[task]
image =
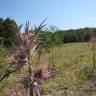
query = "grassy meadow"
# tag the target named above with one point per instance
(72, 60)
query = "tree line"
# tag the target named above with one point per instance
(76, 35)
(60, 37)
(9, 30)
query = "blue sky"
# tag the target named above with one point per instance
(65, 14)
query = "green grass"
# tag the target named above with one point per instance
(73, 60)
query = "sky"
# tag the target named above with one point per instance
(64, 14)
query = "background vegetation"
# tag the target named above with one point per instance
(73, 61)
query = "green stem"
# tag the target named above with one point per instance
(30, 89)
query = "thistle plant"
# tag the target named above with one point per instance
(93, 39)
(28, 42)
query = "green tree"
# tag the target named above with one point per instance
(1, 27)
(10, 31)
